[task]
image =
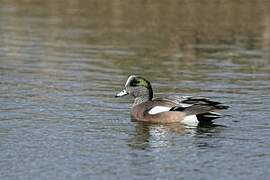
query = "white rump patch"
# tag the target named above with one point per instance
(191, 120)
(158, 109)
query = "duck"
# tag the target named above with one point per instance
(187, 110)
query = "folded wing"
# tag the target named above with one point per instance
(203, 108)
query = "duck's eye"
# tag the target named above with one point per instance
(134, 82)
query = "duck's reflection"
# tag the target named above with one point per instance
(149, 135)
(154, 136)
(153, 145)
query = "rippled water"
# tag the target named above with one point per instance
(62, 62)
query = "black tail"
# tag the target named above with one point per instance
(208, 117)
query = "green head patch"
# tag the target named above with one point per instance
(139, 81)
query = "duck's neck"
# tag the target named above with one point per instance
(144, 98)
(140, 100)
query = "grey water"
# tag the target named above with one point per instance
(61, 63)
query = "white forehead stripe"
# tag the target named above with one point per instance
(158, 109)
(128, 80)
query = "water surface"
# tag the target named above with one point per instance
(62, 62)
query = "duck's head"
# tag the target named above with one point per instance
(138, 87)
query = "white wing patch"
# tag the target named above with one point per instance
(159, 109)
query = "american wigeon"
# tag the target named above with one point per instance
(183, 109)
